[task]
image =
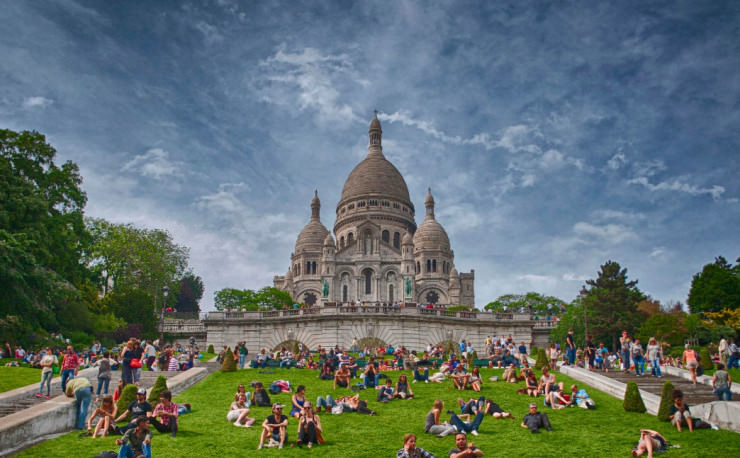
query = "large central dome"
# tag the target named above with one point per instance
(375, 176)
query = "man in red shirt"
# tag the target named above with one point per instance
(70, 366)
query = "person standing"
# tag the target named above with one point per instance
(104, 373)
(721, 383)
(690, 361)
(638, 358)
(723, 350)
(47, 373)
(624, 345)
(243, 352)
(654, 354)
(70, 366)
(150, 353)
(81, 390)
(570, 344)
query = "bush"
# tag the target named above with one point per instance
(541, 359)
(706, 359)
(159, 386)
(210, 349)
(632, 399)
(127, 397)
(229, 364)
(666, 401)
(474, 355)
(533, 351)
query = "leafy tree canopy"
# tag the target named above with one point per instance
(537, 302)
(267, 298)
(716, 287)
(191, 292)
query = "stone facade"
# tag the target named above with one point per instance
(377, 253)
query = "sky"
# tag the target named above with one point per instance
(555, 136)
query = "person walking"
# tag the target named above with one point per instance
(570, 347)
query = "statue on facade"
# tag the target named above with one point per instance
(325, 291)
(408, 286)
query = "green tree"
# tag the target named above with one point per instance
(665, 327)
(716, 287)
(613, 301)
(134, 306)
(232, 298)
(190, 294)
(530, 301)
(270, 297)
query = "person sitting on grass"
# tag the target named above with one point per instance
(403, 389)
(136, 409)
(460, 377)
(370, 375)
(239, 412)
(136, 442)
(650, 441)
(107, 413)
(535, 420)
(309, 427)
(418, 377)
(275, 428)
(166, 410)
(352, 367)
(475, 380)
(297, 401)
(556, 398)
(432, 424)
(410, 450)
(385, 393)
(242, 390)
(681, 415)
(464, 449)
(531, 383)
(510, 374)
(342, 376)
(547, 381)
(581, 398)
(261, 398)
(494, 410)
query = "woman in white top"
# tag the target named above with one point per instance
(47, 373)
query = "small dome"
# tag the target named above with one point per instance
(289, 274)
(453, 272)
(431, 236)
(329, 241)
(408, 239)
(429, 200)
(311, 237)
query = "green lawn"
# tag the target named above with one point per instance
(606, 431)
(16, 377)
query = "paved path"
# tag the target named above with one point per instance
(693, 394)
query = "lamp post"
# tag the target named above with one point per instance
(165, 292)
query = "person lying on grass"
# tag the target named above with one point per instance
(136, 441)
(650, 441)
(107, 413)
(274, 428)
(466, 425)
(535, 420)
(410, 450)
(557, 398)
(166, 410)
(464, 449)
(494, 410)
(581, 398)
(470, 406)
(239, 412)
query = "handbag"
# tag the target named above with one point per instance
(135, 363)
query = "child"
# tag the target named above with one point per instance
(107, 412)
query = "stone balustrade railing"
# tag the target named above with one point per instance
(375, 310)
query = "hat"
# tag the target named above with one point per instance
(276, 405)
(141, 391)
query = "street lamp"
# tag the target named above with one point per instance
(165, 292)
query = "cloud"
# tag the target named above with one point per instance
(37, 102)
(616, 161)
(657, 251)
(312, 77)
(155, 163)
(569, 276)
(677, 185)
(606, 214)
(211, 33)
(223, 201)
(610, 233)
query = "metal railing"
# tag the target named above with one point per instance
(375, 310)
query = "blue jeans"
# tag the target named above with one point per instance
(103, 383)
(626, 360)
(571, 353)
(327, 402)
(639, 365)
(241, 360)
(83, 396)
(723, 393)
(370, 383)
(463, 427)
(655, 367)
(127, 452)
(732, 362)
(46, 378)
(284, 364)
(67, 374)
(419, 377)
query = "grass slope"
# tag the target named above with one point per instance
(606, 431)
(16, 377)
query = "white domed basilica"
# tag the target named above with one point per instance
(377, 254)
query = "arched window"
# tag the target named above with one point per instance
(407, 269)
(368, 281)
(396, 240)
(341, 242)
(308, 267)
(313, 267)
(344, 294)
(429, 265)
(350, 239)
(390, 293)
(434, 265)
(386, 236)
(418, 267)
